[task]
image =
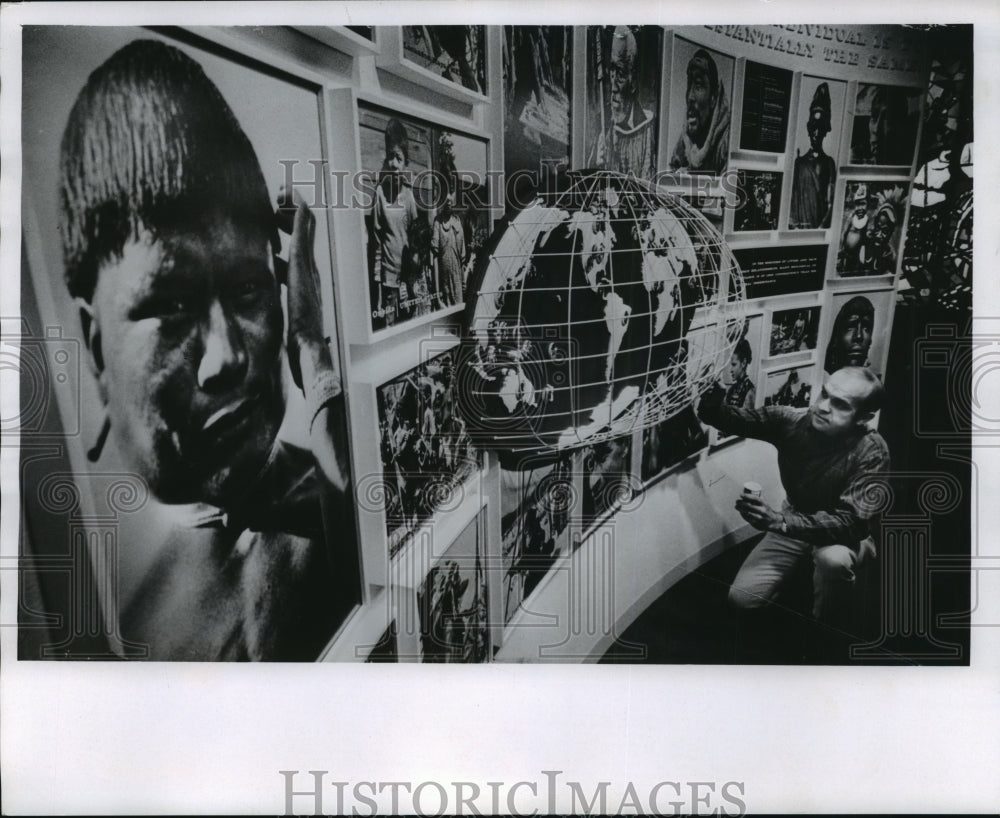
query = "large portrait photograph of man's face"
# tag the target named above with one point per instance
(624, 66)
(884, 130)
(203, 458)
(700, 113)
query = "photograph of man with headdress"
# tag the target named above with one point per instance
(873, 226)
(624, 65)
(699, 109)
(815, 171)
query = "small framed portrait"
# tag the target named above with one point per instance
(538, 93)
(767, 92)
(701, 91)
(790, 387)
(758, 200)
(624, 67)
(818, 129)
(871, 228)
(537, 502)
(859, 332)
(884, 129)
(450, 60)
(453, 601)
(740, 367)
(793, 330)
(426, 452)
(607, 477)
(428, 216)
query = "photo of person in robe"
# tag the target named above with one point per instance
(815, 172)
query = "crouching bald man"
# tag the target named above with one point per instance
(826, 457)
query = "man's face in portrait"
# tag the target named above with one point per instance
(737, 368)
(817, 131)
(700, 103)
(186, 337)
(623, 75)
(855, 337)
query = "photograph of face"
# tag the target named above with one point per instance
(793, 330)
(817, 142)
(700, 90)
(789, 387)
(860, 332)
(423, 228)
(607, 469)
(537, 77)
(623, 98)
(758, 200)
(426, 450)
(169, 276)
(535, 505)
(668, 443)
(452, 602)
(885, 125)
(741, 371)
(457, 53)
(873, 227)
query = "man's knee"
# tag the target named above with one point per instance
(742, 598)
(835, 562)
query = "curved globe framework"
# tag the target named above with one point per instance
(599, 310)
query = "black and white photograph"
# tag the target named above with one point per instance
(859, 335)
(205, 438)
(758, 200)
(452, 603)
(790, 387)
(793, 330)
(884, 130)
(767, 93)
(428, 215)
(624, 69)
(872, 226)
(671, 442)
(607, 477)
(456, 53)
(332, 335)
(536, 504)
(817, 148)
(425, 449)
(701, 91)
(537, 85)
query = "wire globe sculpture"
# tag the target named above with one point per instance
(601, 309)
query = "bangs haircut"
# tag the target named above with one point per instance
(151, 144)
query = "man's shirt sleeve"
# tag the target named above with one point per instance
(767, 423)
(849, 522)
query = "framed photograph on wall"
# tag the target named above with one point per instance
(758, 200)
(793, 330)
(234, 507)
(767, 92)
(538, 93)
(741, 373)
(790, 387)
(452, 601)
(607, 477)
(449, 60)
(701, 93)
(818, 128)
(428, 217)
(670, 442)
(858, 333)
(871, 227)
(885, 123)
(426, 452)
(624, 68)
(536, 504)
